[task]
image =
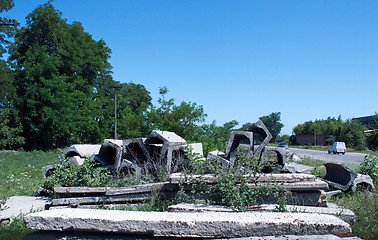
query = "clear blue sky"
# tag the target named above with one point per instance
(240, 59)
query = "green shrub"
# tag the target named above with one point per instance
(86, 175)
(364, 204)
(369, 166)
(235, 186)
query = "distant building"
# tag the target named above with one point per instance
(366, 121)
(310, 139)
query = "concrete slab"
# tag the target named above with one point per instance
(296, 237)
(344, 214)
(17, 205)
(168, 224)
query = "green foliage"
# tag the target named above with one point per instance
(59, 72)
(133, 100)
(352, 134)
(14, 230)
(214, 137)
(10, 130)
(369, 166)
(86, 175)
(283, 138)
(364, 205)
(330, 127)
(181, 119)
(235, 186)
(273, 123)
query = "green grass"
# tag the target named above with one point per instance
(20, 172)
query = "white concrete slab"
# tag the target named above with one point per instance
(167, 224)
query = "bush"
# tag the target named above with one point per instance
(234, 185)
(369, 166)
(87, 175)
(364, 205)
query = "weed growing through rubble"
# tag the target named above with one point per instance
(235, 186)
(86, 175)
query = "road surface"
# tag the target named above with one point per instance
(324, 156)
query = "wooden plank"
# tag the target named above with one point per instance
(177, 178)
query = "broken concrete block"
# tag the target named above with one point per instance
(218, 156)
(158, 143)
(14, 206)
(296, 168)
(261, 129)
(237, 138)
(281, 154)
(110, 153)
(194, 224)
(339, 176)
(82, 150)
(365, 181)
(77, 160)
(48, 170)
(294, 157)
(196, 148)
(135, 155)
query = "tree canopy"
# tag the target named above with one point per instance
(57, 69)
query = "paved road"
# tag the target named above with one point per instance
(323, 155)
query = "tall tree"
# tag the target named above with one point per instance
(181, 119)
(273, 123)
(352, 134)
(133, 100)
(59, 73)
(10, 127)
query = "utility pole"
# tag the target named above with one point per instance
(314, 136)
(115, 110)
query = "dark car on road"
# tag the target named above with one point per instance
(283, 145)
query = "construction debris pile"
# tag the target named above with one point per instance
(168, 150)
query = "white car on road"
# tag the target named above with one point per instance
(337, 147)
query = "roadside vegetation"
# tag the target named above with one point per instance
(363, 203)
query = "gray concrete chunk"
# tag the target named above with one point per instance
(339, 176)
(297, 168)
(14, 206)
(205, 225)
(82, 150)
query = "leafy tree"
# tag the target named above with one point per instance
(214, 137)
(330, 128)
(133, 100)
(10, 128)
(59, 70)
(181, 119)
(352, 134)
(273, 123)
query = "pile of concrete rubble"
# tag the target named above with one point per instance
(167, 149)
